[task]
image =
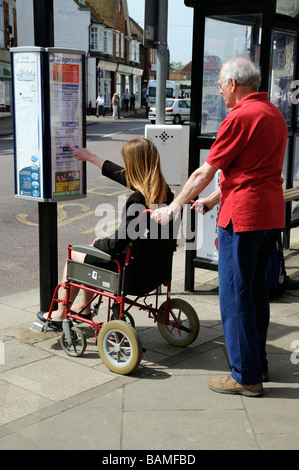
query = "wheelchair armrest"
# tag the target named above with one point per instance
(91, 250)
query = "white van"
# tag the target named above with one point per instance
(172, 91)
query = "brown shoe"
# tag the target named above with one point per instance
(266, 377)
(229, 385)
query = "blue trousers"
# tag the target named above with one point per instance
(244, 303)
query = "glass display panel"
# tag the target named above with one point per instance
(283, 73)
(288, 7)
(295, 204)
(285, 165)
(224, 39)
(296, 164)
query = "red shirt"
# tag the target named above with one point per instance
(249, 150)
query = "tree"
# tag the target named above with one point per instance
(175, 66)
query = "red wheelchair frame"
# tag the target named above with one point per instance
(118, 342)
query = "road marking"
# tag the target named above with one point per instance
(136, 128)
(63, 219)
(109, 135)
(112, 224)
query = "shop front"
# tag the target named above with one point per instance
(129, 78)
(106, 72)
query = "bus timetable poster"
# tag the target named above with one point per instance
(27, 113)
(66, 118)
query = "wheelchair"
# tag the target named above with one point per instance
(135, 283)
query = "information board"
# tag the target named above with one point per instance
(66, 119)
(48, 115)
(28, 123)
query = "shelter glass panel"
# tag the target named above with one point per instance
(296, 170)
(225, 38)
(283, 73)
(288, 7)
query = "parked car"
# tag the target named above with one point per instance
(176, 111)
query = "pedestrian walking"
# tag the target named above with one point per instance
(132, 102)
(115, 106)
(126, 98)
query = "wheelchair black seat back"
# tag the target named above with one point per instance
(147, 265)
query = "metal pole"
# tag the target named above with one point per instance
(47, 211)
(161, 61)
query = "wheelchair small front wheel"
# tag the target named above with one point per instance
(119, 347)
(78, 345)
(183, 326)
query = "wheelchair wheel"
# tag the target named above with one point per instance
(78, 345)
(186, 317)
(119, 347)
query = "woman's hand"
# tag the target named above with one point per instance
(86, 156)
(81, 153)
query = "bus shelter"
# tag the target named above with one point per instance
(267, 31)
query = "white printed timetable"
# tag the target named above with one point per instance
(48, 116)
(28, 124)
(66, 110)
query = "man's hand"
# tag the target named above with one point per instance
(201, 206)
(161, 216)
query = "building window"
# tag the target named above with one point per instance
(2, 38)
(107, 42)
(137, 52)
(117, 44)
(2, 94)
(134, 51)
(11, 22)
(122, 46)
(94, 38)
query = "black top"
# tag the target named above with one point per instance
(120, 239)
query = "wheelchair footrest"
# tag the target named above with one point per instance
(41, 327)
(37, 326)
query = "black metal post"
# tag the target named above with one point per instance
(47, 211)
(43, 23)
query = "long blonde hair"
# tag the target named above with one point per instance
(143, 170)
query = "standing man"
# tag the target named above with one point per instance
(100, 103)
(249, 149)
(126, 98)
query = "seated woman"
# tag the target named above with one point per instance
(143, 175)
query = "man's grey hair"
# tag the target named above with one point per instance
(243, 71)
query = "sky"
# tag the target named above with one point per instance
(180, 27)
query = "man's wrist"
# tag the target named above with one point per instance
(169, 212)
